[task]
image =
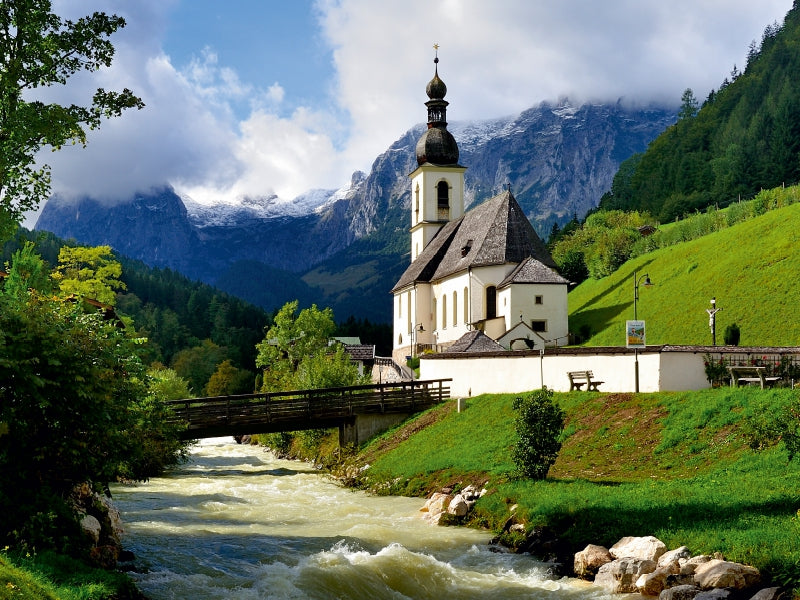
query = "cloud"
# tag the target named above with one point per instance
(218, 137)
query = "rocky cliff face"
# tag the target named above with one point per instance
(558, 159)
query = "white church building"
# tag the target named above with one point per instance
(483, 270)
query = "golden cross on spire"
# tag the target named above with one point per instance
(436, 47)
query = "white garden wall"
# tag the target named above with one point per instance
(661, 368)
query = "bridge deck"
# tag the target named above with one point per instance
(302, 409)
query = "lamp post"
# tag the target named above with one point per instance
(647, 283)
(712, 320)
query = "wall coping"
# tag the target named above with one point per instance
(615, 350)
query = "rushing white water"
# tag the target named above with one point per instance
(236, 523)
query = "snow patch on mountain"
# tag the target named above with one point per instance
(241, 210)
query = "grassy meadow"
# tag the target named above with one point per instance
(751, 269)
(675, 465)
(49, 576)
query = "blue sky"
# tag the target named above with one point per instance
(267, 42)
(261, 97)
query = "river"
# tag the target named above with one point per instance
(236, 523)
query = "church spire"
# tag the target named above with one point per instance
(437, 145)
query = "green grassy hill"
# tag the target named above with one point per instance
(675, 465)
(752, 269)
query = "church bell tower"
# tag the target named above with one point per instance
(437, 184)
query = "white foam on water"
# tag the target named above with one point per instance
(237, 523)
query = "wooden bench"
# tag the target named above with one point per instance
(580, 378)
(751, 374)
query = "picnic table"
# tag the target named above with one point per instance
(750, 374)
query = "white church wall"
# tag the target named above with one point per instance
(452, 325)
(552, 310)
(482, 278)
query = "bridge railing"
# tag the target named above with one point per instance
(303, 407)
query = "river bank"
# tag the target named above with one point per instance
(678, 466)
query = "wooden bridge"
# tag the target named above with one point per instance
(358, 411)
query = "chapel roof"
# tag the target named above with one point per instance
(496, 232)
(475, 341)
(531, 270)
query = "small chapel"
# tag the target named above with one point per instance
(481, 273)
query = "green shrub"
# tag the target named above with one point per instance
(539, 423)
(732, 335)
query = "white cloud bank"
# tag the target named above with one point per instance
(497, 58)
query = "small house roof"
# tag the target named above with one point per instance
(531, 270)
(474, 341)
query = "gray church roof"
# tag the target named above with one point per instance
(531, 270)
(496, 232)
(475, 341)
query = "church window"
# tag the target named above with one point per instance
(443, 200)
(455, 309)
(466, 308)
(435, 319)
(539, 300)
(491, 302)
(539, 326)
(444, 312)
(416, 201)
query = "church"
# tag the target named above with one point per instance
(485, 270)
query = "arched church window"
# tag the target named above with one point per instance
(491, 302)
(443, 200)
(444, 312)
(435, 319)
(466, 308)
(455, 309)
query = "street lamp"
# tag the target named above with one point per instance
(647, 283)
(421, 329)
(712, 320)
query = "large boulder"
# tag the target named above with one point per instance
(770, 593)
(651, 584)
(92, 528)
(718, 573)
(680, 592)
(458, 506)
(436, 507)
(678, 554)
(589, 560)
(620, 575)
(645, 548)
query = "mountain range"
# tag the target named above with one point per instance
(346, 248)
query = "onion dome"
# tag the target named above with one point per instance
(436, 89)
(437, 145)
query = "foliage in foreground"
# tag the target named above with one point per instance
(75, 408)
(41, 49)
(49, 576)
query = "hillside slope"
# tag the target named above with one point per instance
(751, 269)
(674, 465)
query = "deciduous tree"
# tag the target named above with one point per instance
(39, 49)
(89, 273)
